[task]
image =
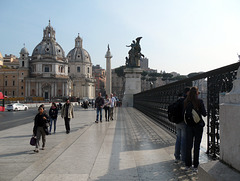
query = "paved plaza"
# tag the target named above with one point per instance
(132, 147)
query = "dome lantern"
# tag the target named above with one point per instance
(78, 42)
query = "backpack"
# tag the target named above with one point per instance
(191, 117)
(175, 111)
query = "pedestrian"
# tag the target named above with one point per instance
(180, 145)
(67, 114)
(112, 105)
(194, 132)
(106, 107)
(53, 114)
(99, 103)
(39, 129)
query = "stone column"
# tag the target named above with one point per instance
(132, 85)
(63, 89)
(108, 57)
(40, 89)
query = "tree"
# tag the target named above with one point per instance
(192, 74)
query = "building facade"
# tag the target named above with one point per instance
(48, 73)
(80, 71)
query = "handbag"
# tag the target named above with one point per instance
(33, 141)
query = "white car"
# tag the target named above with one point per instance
(16, 107)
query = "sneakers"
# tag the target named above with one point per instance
(43, 148)
(195, 169)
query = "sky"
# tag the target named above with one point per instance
(181, 36)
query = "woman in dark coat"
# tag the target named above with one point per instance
(53, 114)
(40, 128)
(194, 132)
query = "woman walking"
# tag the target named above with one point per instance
(39, 128)
(194, 132)
(53, 113)
(106, 107)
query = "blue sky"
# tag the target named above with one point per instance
(182, 36)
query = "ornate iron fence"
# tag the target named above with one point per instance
(154, 102)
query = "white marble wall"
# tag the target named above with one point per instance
(230, 125)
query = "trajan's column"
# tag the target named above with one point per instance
(108, 57)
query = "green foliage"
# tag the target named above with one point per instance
(144, 73)
(180, 77)
(192, 74)
(155, 74)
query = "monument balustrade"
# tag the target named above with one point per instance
(154, 102)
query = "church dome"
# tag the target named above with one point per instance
(24, 51)
(78, 54)
(48, 47)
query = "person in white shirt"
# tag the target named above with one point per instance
(112, 105)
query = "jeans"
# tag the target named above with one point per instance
(194, 134)
(99, 110)
(107, 109)
(180, 146)
(52, 121)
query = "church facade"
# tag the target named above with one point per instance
(51, 75)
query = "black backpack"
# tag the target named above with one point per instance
(191, 117)
(175, 111)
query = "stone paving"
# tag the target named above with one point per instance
(132, 147)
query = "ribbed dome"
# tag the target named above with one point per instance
(78, 54)
(48, 47)
(24, 51)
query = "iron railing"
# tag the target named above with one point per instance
(154, 102)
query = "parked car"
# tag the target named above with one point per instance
(17, 107)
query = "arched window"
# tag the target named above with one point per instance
(78, 69)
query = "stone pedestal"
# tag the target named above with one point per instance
(230, 125)
(132, 85)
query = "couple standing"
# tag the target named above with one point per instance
(109, 105)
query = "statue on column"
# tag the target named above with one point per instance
(134, 54)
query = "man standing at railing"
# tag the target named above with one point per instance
(180, 146)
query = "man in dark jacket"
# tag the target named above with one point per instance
(99, 102)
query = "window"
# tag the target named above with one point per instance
(88, 70)
(68, 69)
(5, 83)
(22, 63)
(46, 69)
(5, 93)
(21, 80)
(13, 83)
(22, 93)
(22, 73)
(78, 69)
(21, 87)
(13, 93)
